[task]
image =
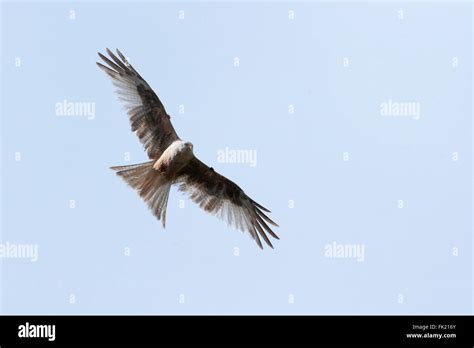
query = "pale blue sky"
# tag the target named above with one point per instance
(400, 195)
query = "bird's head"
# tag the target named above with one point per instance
(189, 145)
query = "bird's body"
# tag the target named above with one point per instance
(172, 161)
(174, 158)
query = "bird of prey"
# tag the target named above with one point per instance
(172, 161)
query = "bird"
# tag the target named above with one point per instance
(172, 160)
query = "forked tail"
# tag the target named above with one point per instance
(150, 185)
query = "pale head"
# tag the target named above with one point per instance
(189, 145)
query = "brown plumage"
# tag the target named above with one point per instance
(172, 160)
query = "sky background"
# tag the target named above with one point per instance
(298, 84)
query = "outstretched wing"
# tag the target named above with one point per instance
(147, 114)
(219, 196)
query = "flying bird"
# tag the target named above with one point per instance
(172, 161)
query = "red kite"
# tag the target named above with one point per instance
(172, 161)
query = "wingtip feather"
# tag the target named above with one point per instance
(261, 206)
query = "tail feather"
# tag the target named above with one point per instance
(150, 185)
